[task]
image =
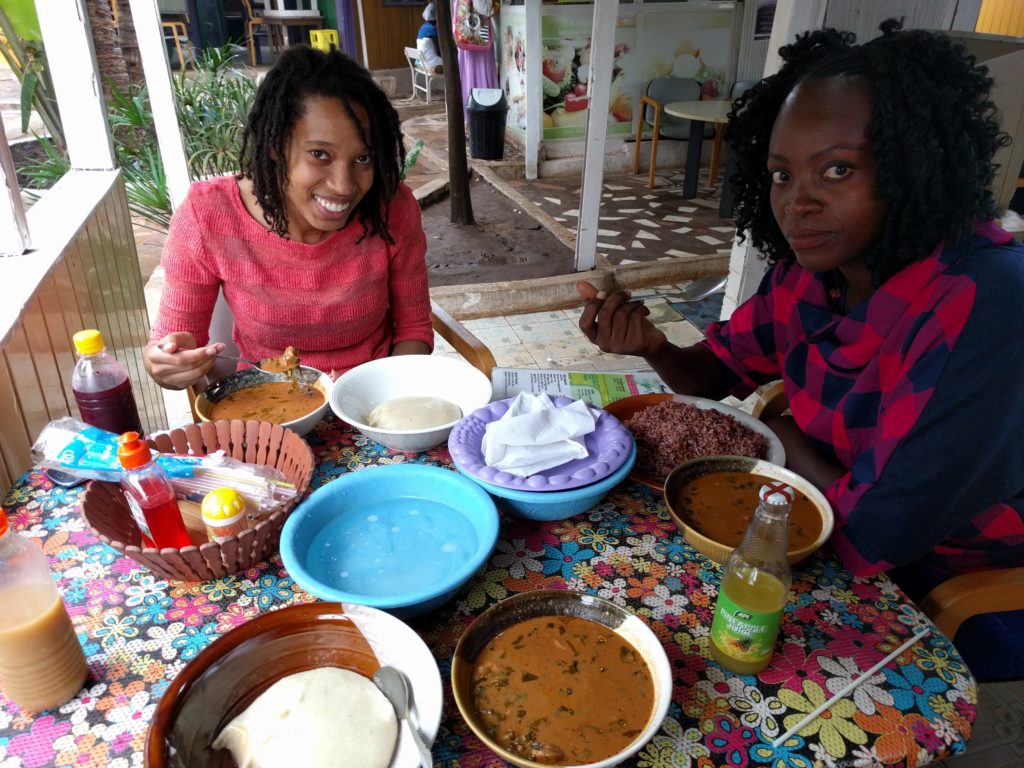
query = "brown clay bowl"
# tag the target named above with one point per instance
(235, 669)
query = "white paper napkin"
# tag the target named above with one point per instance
(535, 434)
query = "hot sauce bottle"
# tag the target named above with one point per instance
(150, 495)
(755, 587)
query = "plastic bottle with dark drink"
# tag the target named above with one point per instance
(102, 388)
(150, 495)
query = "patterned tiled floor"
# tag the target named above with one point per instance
(637, 223)
(553, 339)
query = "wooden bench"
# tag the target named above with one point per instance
(417, 72)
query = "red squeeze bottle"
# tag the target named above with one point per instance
(102, 388)
(150, 495)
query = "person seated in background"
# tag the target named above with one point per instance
(426, 42)
(316, 244)
(864, 176)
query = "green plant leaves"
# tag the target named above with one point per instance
(22, 14)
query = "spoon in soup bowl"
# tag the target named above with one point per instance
(287, 362)
(395, 687)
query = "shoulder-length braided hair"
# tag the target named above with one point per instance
(280, 100)
(933, 132)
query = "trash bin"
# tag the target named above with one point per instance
(486, 110)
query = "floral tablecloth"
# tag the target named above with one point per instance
(139, 631)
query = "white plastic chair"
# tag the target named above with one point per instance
(417, 72)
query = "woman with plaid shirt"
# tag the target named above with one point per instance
(864, 175)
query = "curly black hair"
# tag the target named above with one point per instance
(933, 133)
(302, 72)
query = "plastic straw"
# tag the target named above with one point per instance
(850, 686)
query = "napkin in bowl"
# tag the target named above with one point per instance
(535, 434)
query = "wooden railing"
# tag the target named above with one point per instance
(83, 272)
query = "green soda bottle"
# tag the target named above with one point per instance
(755, 587)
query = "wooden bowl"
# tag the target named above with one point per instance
(231, 672)
(105, 508)
(720, 551)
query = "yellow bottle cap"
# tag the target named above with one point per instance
(88, 342)
(222, 506)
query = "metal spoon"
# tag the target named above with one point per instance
(279, 364)
(393, 684)
(702, 288)
(253, 363)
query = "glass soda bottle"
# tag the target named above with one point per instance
(42, 664)
(755, 587)
(150, 495)
(102, 388)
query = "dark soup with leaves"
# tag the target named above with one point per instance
(719, 505)
(562, 690)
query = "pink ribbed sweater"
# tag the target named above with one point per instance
(341, 302)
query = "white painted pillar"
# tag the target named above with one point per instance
(72, 61)
(746, 267)
(599, 87)
(534, 94)
(362, 35)
(161, 97)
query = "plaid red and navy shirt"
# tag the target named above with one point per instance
(918, 392)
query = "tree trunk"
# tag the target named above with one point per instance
(109, 60)
(458, 168)
(128, 42)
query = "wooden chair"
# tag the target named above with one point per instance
(954, 601)
(660, 91)
(417, 71)
(253, 23)
(174, 20)
(175, 30)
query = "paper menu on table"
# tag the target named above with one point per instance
(597, 388)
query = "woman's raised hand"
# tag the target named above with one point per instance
(174, 362)
(617, 325)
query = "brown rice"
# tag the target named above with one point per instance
(669, 433)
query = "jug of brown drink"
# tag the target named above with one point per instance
(42, 664)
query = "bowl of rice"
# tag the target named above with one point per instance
(672, 429)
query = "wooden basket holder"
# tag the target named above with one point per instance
(106, 511)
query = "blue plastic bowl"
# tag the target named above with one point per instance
(400, 537)
(554, 505)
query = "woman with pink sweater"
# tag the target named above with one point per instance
(316, 244)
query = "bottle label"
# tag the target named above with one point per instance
(91, 448)
(140, 519)
(741, 634)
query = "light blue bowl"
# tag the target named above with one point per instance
(555, 505)
(399, 537)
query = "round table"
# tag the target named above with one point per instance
(139, 631)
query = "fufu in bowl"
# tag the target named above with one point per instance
(409, 402)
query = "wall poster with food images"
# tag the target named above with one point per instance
(565, 72)
(697, 44)
(513, 65)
